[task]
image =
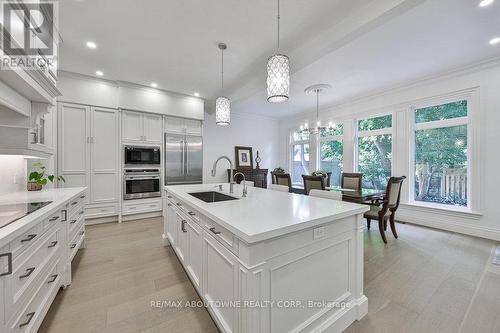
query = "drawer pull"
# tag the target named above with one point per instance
(72, 246)
(82, 197)
(183, 226)
(9, 263)
(81, 213)
(55, 218)
(81, 232)
(65, 215)
(29, 238)
(74, 203)
(169, 205)
(191, 213)
(28, 321)
(28, 273)
(169, 196)
(72, 222)
(214, 231)
(53, 278)
(54, 243)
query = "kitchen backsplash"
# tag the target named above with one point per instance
(12, 174)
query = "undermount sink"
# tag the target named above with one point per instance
(212, 196)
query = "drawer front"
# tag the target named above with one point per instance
(52, 220)
(101, 211)
(28, 238)
(76, 204)
(74, 225)
(76, 242)
(225, 237)
(145, 207)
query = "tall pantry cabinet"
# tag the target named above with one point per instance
(89, 155)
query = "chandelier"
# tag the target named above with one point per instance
(305, 129)
(278, 73)
(222, 103)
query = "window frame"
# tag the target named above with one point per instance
(290, 151)
(337, 137)
(471, 143)
(384, 131)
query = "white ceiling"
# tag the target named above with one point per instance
(357, 46)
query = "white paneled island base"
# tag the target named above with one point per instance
(272, 261)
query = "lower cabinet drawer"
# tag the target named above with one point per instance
(28, 238)
(141, 207)
(76, 242)
(101, 210)
(74, 225)
(225, 237)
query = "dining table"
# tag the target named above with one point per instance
(348, 194)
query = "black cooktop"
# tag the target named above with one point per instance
(13, 212)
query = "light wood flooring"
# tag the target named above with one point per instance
(426, 281)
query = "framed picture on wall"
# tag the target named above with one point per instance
(243, 157)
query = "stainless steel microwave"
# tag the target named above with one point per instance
(135, 155)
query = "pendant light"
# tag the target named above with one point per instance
(305, 129)
(222, 104)
(278, 73)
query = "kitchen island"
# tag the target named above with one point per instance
(270, 261)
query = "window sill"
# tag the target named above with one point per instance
(443, 210)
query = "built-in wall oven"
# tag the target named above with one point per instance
(135, 155)
(141, 183)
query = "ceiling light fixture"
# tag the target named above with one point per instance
(485, 3)
(495, 41)
(154, 85)
(222, 104)
(99, 73)
(278, 73)
(91, 45)
(304, 129)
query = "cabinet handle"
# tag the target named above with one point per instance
(9, 263)
(29, 238)
(28, 273)
(82, 197)
(214, 231)
(81, 213)
(54, 277)
(179, 204)
(72, 222)
(54, 243)
(191, 213)
(81, 232)
(74, 203)
(27, 322)
(169, 205)
(183, 226)
(55, 218)
(169, 196)
(72, 246)
(65, 212)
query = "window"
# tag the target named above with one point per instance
(300, 157)
(441, 154)
(331, 150)
(375, 151)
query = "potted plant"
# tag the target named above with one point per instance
(39, 178)
(278, 170)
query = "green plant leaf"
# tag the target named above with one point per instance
(42, 182)
(51, 178)
(34, 176)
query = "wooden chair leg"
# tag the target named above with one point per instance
(381, 228)
(368, 223)
(385, 225)
(393, 226)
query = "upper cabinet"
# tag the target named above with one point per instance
(140, 127)
(183, 126)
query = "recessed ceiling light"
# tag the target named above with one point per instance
(495, 41)
(91, 45)
(99, 73)
(197, 94)
(154, 85)
(485, 3)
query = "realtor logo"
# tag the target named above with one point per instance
(28, 28)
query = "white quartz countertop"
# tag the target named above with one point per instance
(266, 214)
(57, 195)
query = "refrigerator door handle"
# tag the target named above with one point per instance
(187, 157)
(183, 158)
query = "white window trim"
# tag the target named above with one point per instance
(473, 180)
(338, 137)
(290, 150)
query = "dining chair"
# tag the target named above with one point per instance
(313, 183)
(384, 209)
(276, 187)
(352, 181)
(284, 179)
(334, 195)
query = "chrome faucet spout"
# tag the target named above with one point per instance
(245, 190)
(214, 172)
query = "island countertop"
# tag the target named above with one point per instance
(57, 195)
(265, 214)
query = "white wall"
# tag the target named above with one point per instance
(484, 221)
(12, 173)
(260, 133)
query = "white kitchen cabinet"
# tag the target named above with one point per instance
(177, 125)
(194, 252)
(181, 241)
(170, 226)
(141, 127)
(89, 154)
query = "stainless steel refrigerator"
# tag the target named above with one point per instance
(183, 159)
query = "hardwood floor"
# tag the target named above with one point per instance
(426, 281)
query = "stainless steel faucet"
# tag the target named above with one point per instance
(245, 190)
(231, 181)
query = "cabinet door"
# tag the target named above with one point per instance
(105, 156)
(74, 144)
(220, 281)
(193, 127)
(153, 131)
(174, 125)
(170, 224)
(181, 241)
(194, 252)
(132, 126)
